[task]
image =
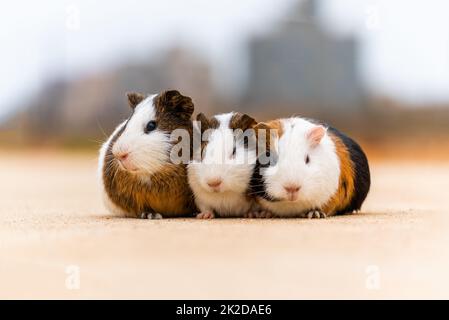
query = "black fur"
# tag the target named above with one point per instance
(257, 183)
(362, 179)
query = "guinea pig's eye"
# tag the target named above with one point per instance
(150, 126)
(307, 160)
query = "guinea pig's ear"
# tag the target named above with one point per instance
(263, 131)
(204, 121)
(242, 121)
(173, 101)
(134, 98)
(259, 127)
(315, 135)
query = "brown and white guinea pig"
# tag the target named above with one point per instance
(316, 171)
(220, 179)
(137, 176)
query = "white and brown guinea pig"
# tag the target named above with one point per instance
(317, 171)
(220, 180)
(137, 176)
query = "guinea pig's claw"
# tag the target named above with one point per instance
(248, 215)
(265, 214)
(156, 216)
(259, 214)
(316, 214)
(151, 216)
(205, 215)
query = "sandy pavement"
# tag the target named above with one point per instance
(57, 241)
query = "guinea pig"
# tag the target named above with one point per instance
(137, 175)
(220, 179)
(315, 171)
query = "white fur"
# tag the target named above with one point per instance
(147, 152)
(318, 180)
(219, 163)
(103, 150)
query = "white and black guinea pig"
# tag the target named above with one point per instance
(137, 176)
(316, 171)
(220, 179)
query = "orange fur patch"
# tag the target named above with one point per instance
(276, 125)
(342, 198)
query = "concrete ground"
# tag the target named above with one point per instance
(57, 241)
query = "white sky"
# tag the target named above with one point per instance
(405, 44)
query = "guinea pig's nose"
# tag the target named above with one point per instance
(292, 188)
(214, 183)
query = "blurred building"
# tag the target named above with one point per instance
(84, 107)
(300, 64)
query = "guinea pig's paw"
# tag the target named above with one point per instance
(316, 214)
(249, 214)
(264, 214)
(259, 214)
(205, 215)
(252, 214)
(151, 216)
(143, 215)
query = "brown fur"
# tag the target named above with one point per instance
(167, 191)
(345, 191)
(276, 125)
(346, 188)
(173, 110)
(206, 124)
(134, 99)
(238, 121)
(273, 130)
(242, 121)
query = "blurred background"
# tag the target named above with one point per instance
(378, 70)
